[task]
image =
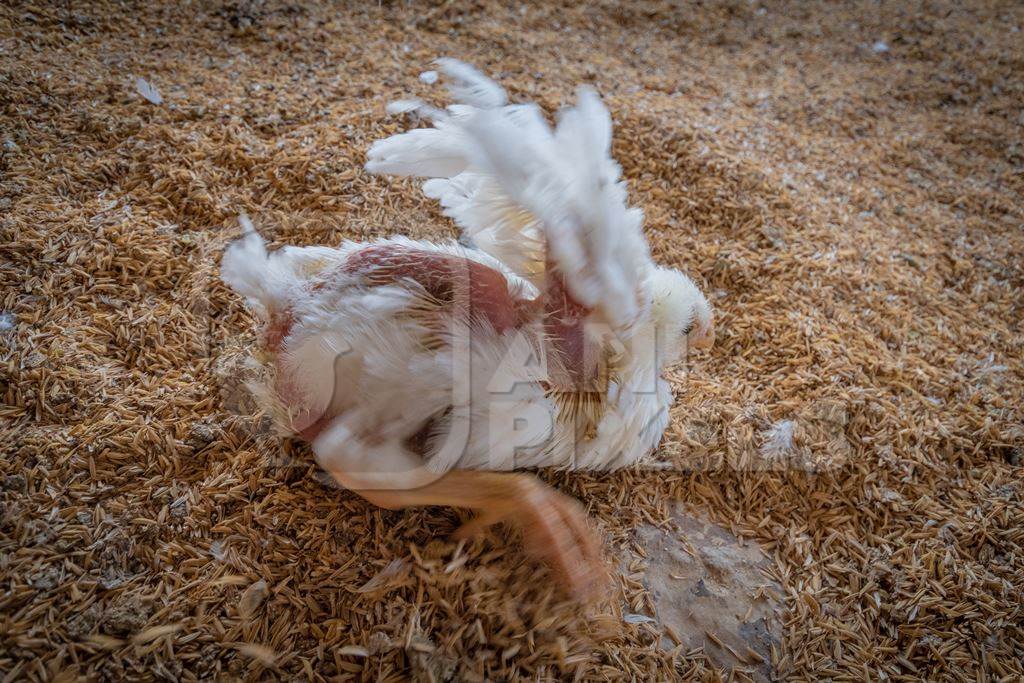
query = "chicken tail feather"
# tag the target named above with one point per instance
(248, 269)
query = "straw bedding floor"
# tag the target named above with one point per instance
(845, 180)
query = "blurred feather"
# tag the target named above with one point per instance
(523, 192)
(148, 91)
(469, 86)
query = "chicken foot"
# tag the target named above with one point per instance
(554, 527)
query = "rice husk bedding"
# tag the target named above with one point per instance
(845, 181)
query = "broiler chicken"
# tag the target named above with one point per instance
(424, 373)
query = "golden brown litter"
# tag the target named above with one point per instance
(845, 180)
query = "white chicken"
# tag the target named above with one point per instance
(423, 373)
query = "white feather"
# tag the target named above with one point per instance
(469, 86)
(425, 152)
(247, 269)
(778, 441)
(268, 280)
(402, 107)
(570, 185)
(516, 188)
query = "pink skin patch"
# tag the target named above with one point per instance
(563, 327)
(277, 329)
(446, 277)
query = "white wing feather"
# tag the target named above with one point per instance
(469, 86)
(425, 152)
(514, 186)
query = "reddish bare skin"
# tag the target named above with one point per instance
(450, 279)
(564, 319)
(554, 527)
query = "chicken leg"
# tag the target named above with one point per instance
(554, 526)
